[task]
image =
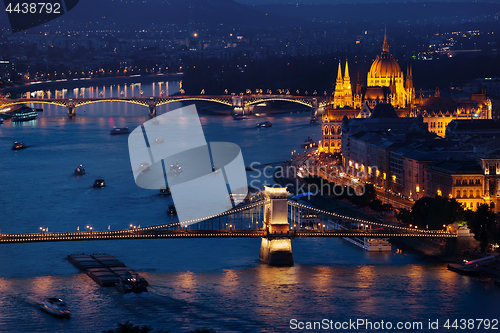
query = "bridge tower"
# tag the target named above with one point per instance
(238, 105)
(314, 108)
(71, 108)
(276, 246)
(152, 107)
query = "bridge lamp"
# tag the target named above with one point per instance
(131, 226)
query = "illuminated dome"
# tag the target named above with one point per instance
(385, 66)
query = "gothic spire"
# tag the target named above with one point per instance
(385, 47)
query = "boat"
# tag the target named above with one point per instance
(472, 267)
(172, 210)
(215, 168)
(309, 143)
(1, 121)
(314, 121)
(239, 117)
(264, 124)
(119, 130)
(165, 191)
(18, 146)
(144, 167)
(24, 115)
(132, 282)
(56, 307)
(176, 168)
(99, 183)
(371, 244)
(39, 110)
(159, 140)
(80, 170)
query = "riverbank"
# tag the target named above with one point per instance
(88, 82)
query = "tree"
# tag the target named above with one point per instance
(368, 196)
(405, 216)
(432, 213)
(484, 226)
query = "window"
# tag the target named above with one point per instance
(458, 194)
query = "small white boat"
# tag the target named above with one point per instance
(56, 307)
(80, 170)
(265, 124)
(118, 131)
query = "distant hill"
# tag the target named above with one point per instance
(135, 14)
(142, 14)
(389, 12)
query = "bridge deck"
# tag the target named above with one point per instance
(130, 234)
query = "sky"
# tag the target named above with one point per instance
(315, 2)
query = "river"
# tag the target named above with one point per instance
(214, 283)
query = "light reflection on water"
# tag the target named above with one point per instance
(194, 283)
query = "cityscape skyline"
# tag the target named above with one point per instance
(260, 166)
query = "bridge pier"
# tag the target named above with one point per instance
(152, 111)
(238, 105)
(314, 108)
(152, 107)
(276, 246)
(71, 108)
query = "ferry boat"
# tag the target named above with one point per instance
(98, 183)
(24, 115)
(264, 124)
(117, 130)
(80, 170)
(239, 117)
(56, 307)
(132, 282)
(371, 244)
(314, 121)
(18, 146)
